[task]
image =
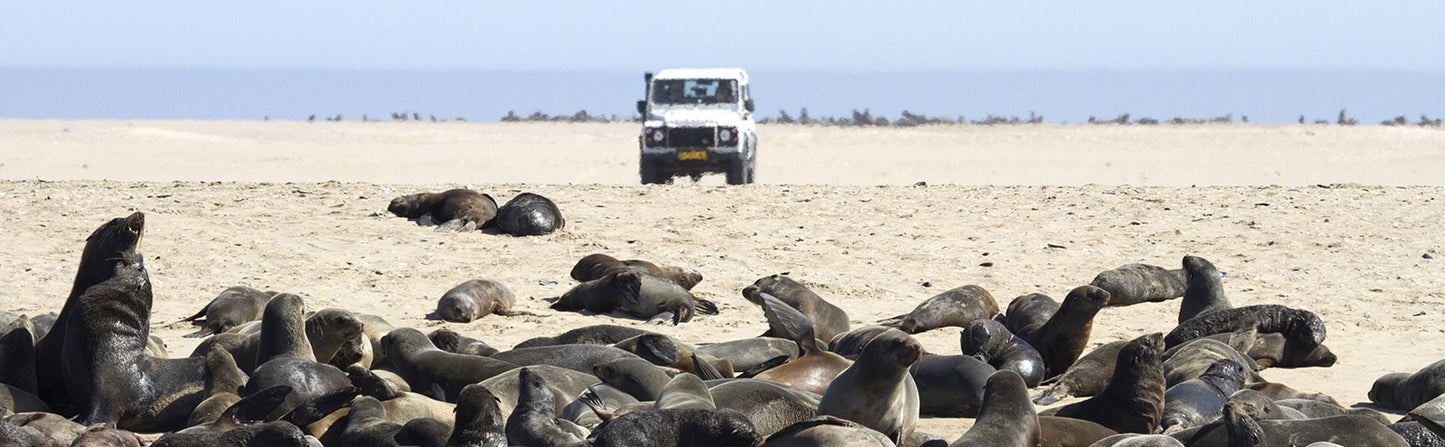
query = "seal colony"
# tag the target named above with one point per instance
(421, 368)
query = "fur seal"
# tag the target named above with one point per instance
(223, 388)
(530, 214)
(1086, 377)
(1136, 440)
(1006, 418)
(829, 431)
(1200, 400)
(450, 341)
(401, 406)
(955, 307)
(597, 334)
(1300, 326)
(241, 425)
(746, 353)
(17, 361)
(991, 341)
(877, 391)
(283, 331)
(850, 344)
(1203, 290)
(234, 306)
(1311, 408)
(814, 369)
(475, 299)
(43, 429)
(828, 320)
(368, 425)
(1070, 432)
(323, 334)
(101, 435)
(684, 391)
(666, 351)
(771, 406)
(1133, 402)
(952, 385)
(534, 421)
(1238, 429)
(1062, 338)
(1195, 358)
(479, 420)
(306, 378)
(638, 294)
(574, 357)
(423, 365)
(1137, 283)
(637, 377)
(1405, 391)
(423, 432)
(1274, 350)
(1415, 434)
(677, 428)
(470, 208)
(565, 384)
(597, 265)
(1261, 407)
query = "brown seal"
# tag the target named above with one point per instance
(638, 294)
(1137, 283)
(1007, 417)
(1070, 432)
(234, 306)
(1134, 400)
(828, 320)
(814, 369)
(1300, 326)
(1405, 391)
(17, 361)
(877, 391)
(597, 334)
(1198, 401)
(1239, 429)
(770, 405)
(474, 299)
(597, 265)
(1086, 377)
(677, 428)
(424, 366)
(468, 207)
(534, 421)
(1203, 290)
(529, 214)
(450, 341)
(1193, 359)
(479, 419)
(1062, 338)
(991, 341)
(827, 431)
(955, 308)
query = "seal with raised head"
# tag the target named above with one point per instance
(597, 265)
(469, 207)
(479, 420)
(828, 320)
(1137, 283)
(529, 214)
(233, 307)
(1061, 339)
(677, 428)
(1300, 326)
(1134, 400)
(877, 391)
(1200, 400)
(814, 369)
(1007, 417)
(850, 344)
(534, 421)
(476, 298)
(991, 341)
(1405, 391)
(1203, 290)
(423, 366)
(956, 307)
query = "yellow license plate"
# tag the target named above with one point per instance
(692, 155)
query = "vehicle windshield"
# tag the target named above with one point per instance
(695, 91)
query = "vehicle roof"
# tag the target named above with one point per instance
(703, 73)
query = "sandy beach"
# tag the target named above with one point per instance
(1342, 221)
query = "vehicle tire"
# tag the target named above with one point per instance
(738, 172)
(652, 173)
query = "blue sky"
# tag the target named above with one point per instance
(760, 35)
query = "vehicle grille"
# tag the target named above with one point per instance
(691, 136)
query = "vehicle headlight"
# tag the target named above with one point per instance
(725, 135)
(657, 135)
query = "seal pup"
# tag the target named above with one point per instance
(1201, 400)
(598, 265)
(1274, 350)
(422, 365)
(991, 341)
(814, 369)
(534, 421)
(1203, 290)
(637, 377)
(401, 406)
(1061, 339)
(956, 307)
(850, 344)
(1405, 391)
(830, 431)
(1133, 402)
(877, 391)
(234, 306)
(479, 421)
(1300, 326)
(529, 214)
(828, 320)
(469, 208)
(1006, 418)
(677, 428)
(101, 435)
(1137, 283)
(368, 425)
(223, 388)
(450, 341)
(1261, 407)
(1086, 377)
(563, 382)
(666, 351)
(41, 429)
(423, 432)
(476, 298)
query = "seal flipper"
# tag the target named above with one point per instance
(254, 408)
(320, 407)
(198, 314)
(657, 348)
(764, 366)
(369, 384)
(787, 321)
(705, 370)
(596, 403)
(706, 307)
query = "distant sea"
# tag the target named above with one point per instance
(1263, 96)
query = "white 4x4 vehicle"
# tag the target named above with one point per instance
(696, 121)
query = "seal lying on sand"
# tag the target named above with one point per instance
(529, 215)
(234, 306)
(598, 265)
(828, 320)
(474, 299)
(1405, 391)
(1137, 283)
(468, 207)
(991, 342)
(1301, 326)
(955, 307)
(638, 294)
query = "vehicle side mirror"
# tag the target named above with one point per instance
(642, 107)
(748, 104)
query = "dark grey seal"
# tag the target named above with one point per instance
(828, 320)
(1007, 417)
(530, 215)
(234, 306)
(1203, 290)
(955, 308)
(991, 341)
(1137, 283)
